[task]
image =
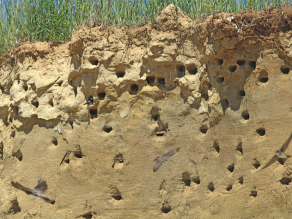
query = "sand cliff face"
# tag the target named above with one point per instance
(223, 84)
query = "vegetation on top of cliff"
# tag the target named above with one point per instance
(49, 20)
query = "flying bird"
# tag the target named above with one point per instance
(89, 101)
(160, 160)
(69, 152)
(161, 127)
(36, 192)
(280, 153)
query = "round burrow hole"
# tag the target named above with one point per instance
(285, 181)
(36, 104)
(55, 141)
(204, 129)
(93, 61)
(252, 64)
(232, 68)
(263, 77)
(220, 61)
(150, 80)
(192, 70)
(181, 71)
(245, 115)
(253, 193)
(196, 180)
(241, 93)
(117, 197)
(186, 178)
(107, 129)
(256, 164)
(101, 95)
(87, 215)
(25, 86)
(134, 87)
(93, 112)
(211, 187)
(228, 188)
(240, 180)
(165, 209)
(160, 134)
(161, 80)
(261, 131)
(216, 146)
(220, 80)
(239, 147)
(120, 74)
(240, 62)
(285, 70)
(231, 168)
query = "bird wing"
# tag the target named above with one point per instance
(285, 145)
(46, 199)
(68, 152)
(41, 187)
(271, 161)
(157, 165)
(170, 153)
(21, 187)
(160, 124)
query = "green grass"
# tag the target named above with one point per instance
(51, 20)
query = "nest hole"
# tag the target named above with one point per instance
(165, 209)
(181, 71)
(281, 161)
(93, 61)
(155, 117)
(253, 193)
(245, 115)
(107, 129)
(18, 155)
(228, 188)
(87, 215)
(220, 80)
(239, 147)
(160, 134)
(240, 62)
(35, 104)
(186, 178)
(196, 180)
(134, 87)
(78, 155)
(204, 129)
(55, 141)
(263, 77)
(231, 168)
(232, 68)
(220, 61)
(256, 164)
(101, 95)
(285, 181)
(93, 111)
(224, 104)
(216, 146)
(261, 131)
(211, 187)
(252, 65)
(120, 74)
(161, 80)
(25, 86)
(117, 197)
(192, 70)
(285, 70)
(241, 93)
(240, 180)
(150, 80)
(60, 83)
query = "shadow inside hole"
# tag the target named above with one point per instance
(78, 155)
(186, 178)
(192, 70)
(87, 215)
(204, 129)
(120, 74)
(220, 80)
(261, 131)
(60, 83)
(196, 180)
(107, 129)
(25, 86)
(75, 90)
(117, 197)
(220, 62)
(216, 146)
(51, 102)
(150, 80)
(256, 164)
(240, 180)
(93, 112)
(245, 115)
(181, 71)
(93, 61)
(284, 70)
(232, 68)
(155, 117)
(240, 62)
(224, 104)
(134, 87)
(231, 168)
(160, 134)
(253, 193)
(101, 95)
(18, 155)
(161, 80)
(252, 65)
(35, 104)
(228, 188)
(263, 77)
(239, 147)
(55, 141)
(211, 187)
(285, 181)
(281, 161)
(241, 93)
(165, 209)
(12, 135)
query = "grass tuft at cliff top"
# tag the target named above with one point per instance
(50, 20)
